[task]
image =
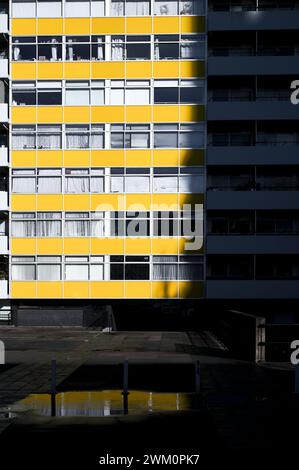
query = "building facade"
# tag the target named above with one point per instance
(150, 150)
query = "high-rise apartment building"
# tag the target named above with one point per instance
(149, 150)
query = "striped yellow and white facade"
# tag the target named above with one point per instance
(67, 191)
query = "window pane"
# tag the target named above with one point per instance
(76, 272)
(48, 272)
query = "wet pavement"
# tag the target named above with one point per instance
(244, 408)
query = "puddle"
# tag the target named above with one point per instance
(106, 403)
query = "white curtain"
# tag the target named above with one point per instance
(23, 141)
(97, 8)
(77, 184)
(23, 185)
(117, 49)
(97, 184)
(96, 272)
(23, 228)
(23, 272)
(76, 272)
(137, 184)
(116, 184)
(156, 50)
(137, 96)
(100, 54)
(190, 271)
(137, 8)
(117, 8)
(48, 272)
(49, 228)
(139, 141)
(97, 141)
(23, 9)
(77, 228)
(77, 97)
(98, 228)
(70, 51)
(16, 53)
(164, 271)
(169, 8)
(77, 141)
(77, 8)
(49, 184)
(165, 184)
(48, 141)
(97, 96)
(117, 96)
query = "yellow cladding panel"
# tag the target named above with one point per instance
(191, 199)
(192, 113)
(77, 26)
(107, 158)
(20, 290)
(23, 71)
(165, 157)
(191, 157)
(192, 68)
(49, 158)
(138, 158)
(138, 25)
(140, 69)
(49, 202)
(166, 69)
(107, 290)
(23, 202)
(169, 24)
(23, 27)
(138, 113)
(49, 246)
(76, 114)
(49, 115)
(76, 290)
(192, 24)
(106, 246)
(165, 246)
(23, 114)
(135, 290)
(170, 200)
(76, 245)
(191, 290)
(76, 202)
(76, 158)
(108, 69)
(77, 70)
(49, 70)
(166, 113)
(137, 246)
(107, 114)
(23, 158)
(49, 26)
(23, 246)
(138, 202)
(108, 202)
(49, 290)
(108, 25)
(165, 289)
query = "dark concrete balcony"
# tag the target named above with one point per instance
(252, 289)
(253, 20)
(253, 65)
(238, 200)
(253, 155)
(252, 110)
(252, 244)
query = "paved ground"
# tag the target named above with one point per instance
(244, 406)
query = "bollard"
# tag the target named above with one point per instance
(197, 377)
(297, 378)
(53, 387)
(125, 392)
